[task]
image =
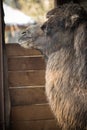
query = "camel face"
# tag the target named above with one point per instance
(30, 36)
(34, 37)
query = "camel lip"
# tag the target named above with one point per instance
(26, 44)
(25, 39)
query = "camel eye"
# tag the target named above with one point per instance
(23, 33)
(43, 27)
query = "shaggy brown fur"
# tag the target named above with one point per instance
(63, 41)
(62, 9)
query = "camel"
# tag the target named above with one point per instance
(62, 39)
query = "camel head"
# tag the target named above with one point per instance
(57, 32)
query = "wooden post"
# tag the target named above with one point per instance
(4, 92)
(2, 108)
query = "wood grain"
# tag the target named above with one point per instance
(26, 63)
(31, 112)
(27, 96)
(26, 78)
(35, 125)
(16, 50)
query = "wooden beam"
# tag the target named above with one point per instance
(4, 93)
(7, 104)
(2, 114)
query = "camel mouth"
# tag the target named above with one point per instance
(26, 44)
(25, 41)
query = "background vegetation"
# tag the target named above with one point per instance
(34, 8)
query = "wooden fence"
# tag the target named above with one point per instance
(26, 79)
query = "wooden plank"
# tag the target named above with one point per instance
(26, 63)
(27, 96)
(26, 78)
(17, 50)
(35, 125)
(32, 112)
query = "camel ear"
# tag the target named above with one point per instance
(74, 18)
(71, 21)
